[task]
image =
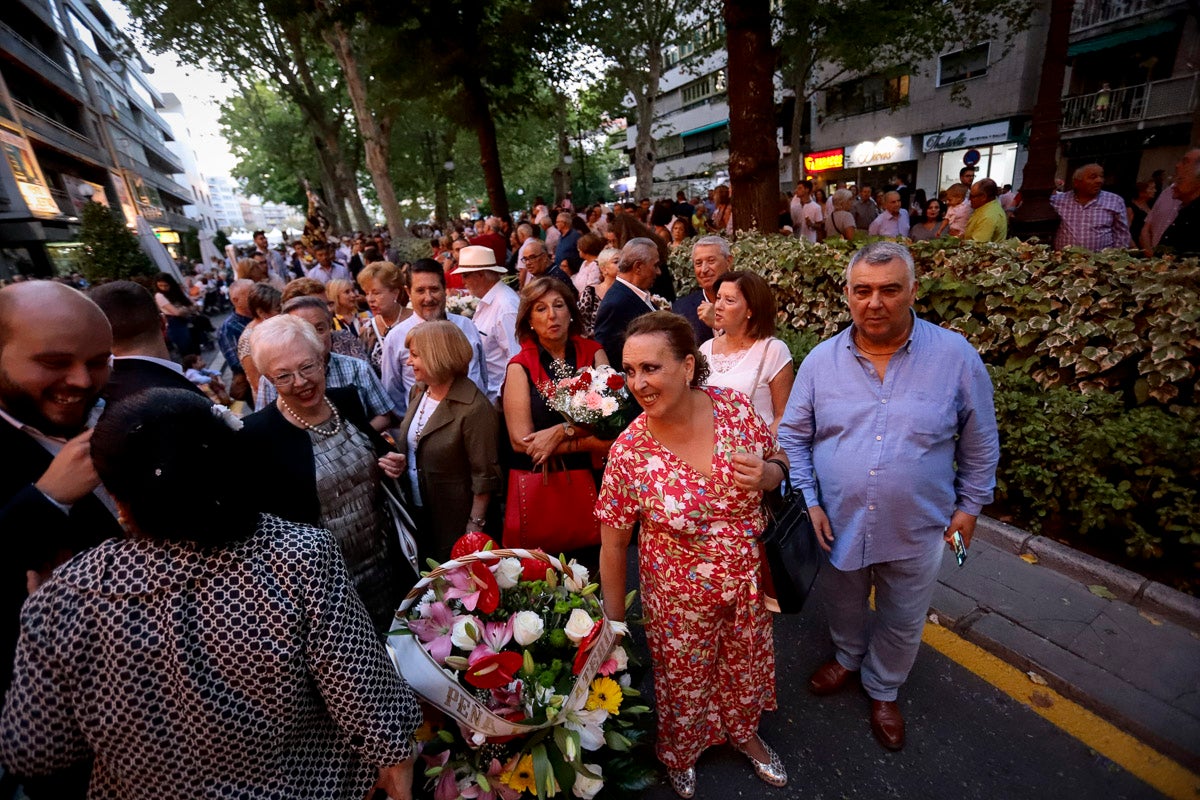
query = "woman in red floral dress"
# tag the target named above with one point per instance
(691, 468)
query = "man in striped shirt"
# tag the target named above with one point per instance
(1088, 216)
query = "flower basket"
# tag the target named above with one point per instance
(513, 646)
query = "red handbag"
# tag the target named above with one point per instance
(551, 509)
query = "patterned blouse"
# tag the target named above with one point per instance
(249, 671)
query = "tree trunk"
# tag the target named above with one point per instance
(335, 200)
(797, 140)
(1035, 217)
(753, 151)
(643, 150)
(374, 131)
(480, 108)
(443, 153)
(562, 172)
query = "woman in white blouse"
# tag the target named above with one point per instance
(746, 356)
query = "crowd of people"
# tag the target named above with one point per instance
(257, 606)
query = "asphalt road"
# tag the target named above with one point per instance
(965, 739)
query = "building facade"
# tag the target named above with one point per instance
(79, 121)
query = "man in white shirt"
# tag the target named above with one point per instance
(496, 316)
(325, 270)
(807, 217)
(893, 222)
(428, 293)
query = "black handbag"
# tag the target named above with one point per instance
(790, 546)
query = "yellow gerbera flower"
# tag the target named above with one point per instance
(605, 694)
(520, 776)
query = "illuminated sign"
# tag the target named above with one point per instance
(28, 174)
(823, 160)
(885, 151)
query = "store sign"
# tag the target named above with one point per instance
(976, 135)
(887, 150)
(823, 160)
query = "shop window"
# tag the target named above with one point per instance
(963, 65)
(864, 95)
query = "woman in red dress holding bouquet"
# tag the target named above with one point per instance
(692, 470)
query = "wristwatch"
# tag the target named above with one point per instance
(569, 430)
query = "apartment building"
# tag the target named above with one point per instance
(79, 121)
(1129, 103)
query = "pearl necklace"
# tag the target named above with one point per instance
(336, 418)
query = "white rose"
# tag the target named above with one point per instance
(577, 578)
(463, 639)
(621, 657)
(527, 628)
(579, 625)
(508, 572)
(585, 787)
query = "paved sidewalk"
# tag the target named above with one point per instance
(1125, 647)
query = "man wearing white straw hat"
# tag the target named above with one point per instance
(496, 316)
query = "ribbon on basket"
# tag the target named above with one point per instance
(440, 686)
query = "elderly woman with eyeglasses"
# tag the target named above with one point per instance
(318, 461)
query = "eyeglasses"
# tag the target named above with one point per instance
(306, 371)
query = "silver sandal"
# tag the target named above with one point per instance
(683, 781)
(773, 772)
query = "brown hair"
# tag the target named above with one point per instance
(681, 340)
(264, 297)
(534, 291)
(590, 244)
(443, 348)
(760, 301)
(302, 287)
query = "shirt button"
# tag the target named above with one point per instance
(870, 508)
(878, 438)
(872, 472)
(884, 401)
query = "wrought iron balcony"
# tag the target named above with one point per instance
(1094, 13)
(1148, 101)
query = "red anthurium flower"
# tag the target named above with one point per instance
(470, 543)
(498, 669)
(585, 647)
(489, 590)
(615, 382)
(533, 569)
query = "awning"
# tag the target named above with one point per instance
(704, 128)
(1121, 37)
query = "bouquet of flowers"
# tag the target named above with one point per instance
(661, 303)
(532, 690)
(594, 396)
(462, 304)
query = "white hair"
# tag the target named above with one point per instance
(878, 253)
(283, 333)
(719, 242)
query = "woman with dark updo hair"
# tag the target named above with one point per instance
(692, 469)
(213, 651)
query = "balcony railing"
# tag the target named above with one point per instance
(36, 58)
(1155, 100)
(1094, 13)
(55, 133)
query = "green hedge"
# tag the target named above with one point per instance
(1095, 361)
(1068, 318)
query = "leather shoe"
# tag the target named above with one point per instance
(830, 678)
(887, 723)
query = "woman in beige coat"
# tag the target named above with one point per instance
(448, 438)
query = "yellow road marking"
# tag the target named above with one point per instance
(1138, 759)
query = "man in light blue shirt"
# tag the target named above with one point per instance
(891, 432)
(893, 221)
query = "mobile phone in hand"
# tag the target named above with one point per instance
(960, 549)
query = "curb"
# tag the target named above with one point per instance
(1128, 587)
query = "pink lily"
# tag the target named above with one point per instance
(434, 631)
(447, 786)
(476, 586)
(497, 634)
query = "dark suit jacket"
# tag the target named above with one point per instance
(37, 534)
(283, 457)
(132, 375)
(456, 460)
(619, 307)
(686, 307)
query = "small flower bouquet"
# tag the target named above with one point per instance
(531, 688)
(462, 304)
(594, 396)
(661, 303)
